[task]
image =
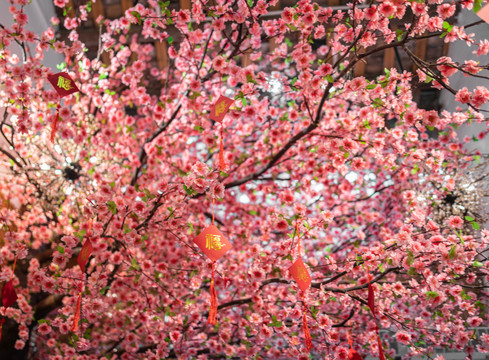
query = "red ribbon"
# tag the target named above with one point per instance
(371, 305)
(222, 162)
(82, 260)
(213, 304)
(307, 334)
(9, 296)
(54, 126)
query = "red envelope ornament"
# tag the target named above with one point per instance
(220, 108)
(84, 254)
(213, 243)
(63, 84)
(83, 257)
(300, 274)
(9, 296)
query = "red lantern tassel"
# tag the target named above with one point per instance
(371, 305)
(54, 126)
(381, 349)
(222, 162)
(76, 319)
(307, 334)
(213, 306)
(1, 325)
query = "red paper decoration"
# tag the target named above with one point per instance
(301, 276)
(9, 296)
(220, 108)
(371, 305)
(82, 259)
(64, 85)
(213, 243)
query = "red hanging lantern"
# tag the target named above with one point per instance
(212, 243)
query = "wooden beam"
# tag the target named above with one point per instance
(70, 9)
(389, 58)
(185, 4)
(161, 55)
(277, 6)
(420, 51)
(245, 58)
(359, 68)
(126, 4)
(97, 10)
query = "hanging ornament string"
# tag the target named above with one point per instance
(9, 296)
(83, 257)
(352, 353)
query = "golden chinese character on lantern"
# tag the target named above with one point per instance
(213, 242)
(220, 108)
(64, 83)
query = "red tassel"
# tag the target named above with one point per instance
(54, 126)
(371, 300)
(307, 334)
(213, 306)
(1, 325)
(222, 162)
(76, 319)
(381, 349)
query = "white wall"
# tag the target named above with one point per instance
(39, 13)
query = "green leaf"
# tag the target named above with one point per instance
(477, 264)
(112, 207)
(250, 3)
(453, 252)
(103, 291)
(477, 5)
(469, 218)
(288, 257)
(127, 229)
(475, 225)
(134, 264)
(170, 40)
(410, 258)
(61, 249)
(137, 16)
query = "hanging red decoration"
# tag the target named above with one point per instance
(9, 296)
(371, 305)
(82, 260)
(64, 86)
(301, 276)
(352, 353)
(212, 243)
(218, 110)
